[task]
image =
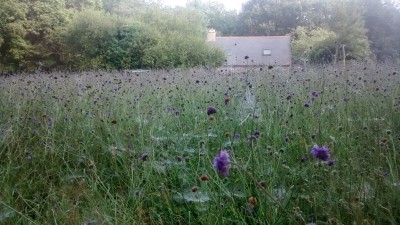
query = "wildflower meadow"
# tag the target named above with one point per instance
(317, 145)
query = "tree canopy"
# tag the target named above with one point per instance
(95, 34)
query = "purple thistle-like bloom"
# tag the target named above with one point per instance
(221, 162)
(314, 94)
(321, 153)
(211, 110)
(144, 156)
(286, 139)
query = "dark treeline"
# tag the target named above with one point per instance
(119, 34)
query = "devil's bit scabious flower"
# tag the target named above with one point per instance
(144, 156)
(257, 133)
(211, 110)
(314, 94)
(321, 153)
(221, 162)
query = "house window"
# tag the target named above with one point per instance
(266, 52)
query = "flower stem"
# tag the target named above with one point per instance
(261, 187)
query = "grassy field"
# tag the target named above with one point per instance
(140, 148)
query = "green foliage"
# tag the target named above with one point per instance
(264, 17)
(342, 32)
(87, 38)
(309, 44)
(13, 47)
(176, 50)
(80, 35)
(83, 4)
(30, 33)
(99, 40)
(182, 39)
(128, 47)
(131, 8)
(347, 22)
(224, 21)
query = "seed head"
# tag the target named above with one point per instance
(253, 201)
(262, 183)
(227, 99)
(204, 177)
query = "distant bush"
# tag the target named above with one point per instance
(98, 40)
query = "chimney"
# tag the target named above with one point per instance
(212, 34)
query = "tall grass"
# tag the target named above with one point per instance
(137, 148)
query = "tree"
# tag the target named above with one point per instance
(270, 17)
(217, 16)
(80, 34)
(182, 39)
(156, 39)
(13, 46)
(382, 19)
(312, 45)
(133, 8)
(87, 36)
(29, 33)
(345, 19)
(83, 4)
(340, 34)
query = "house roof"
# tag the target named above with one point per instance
(254, 37)
(248, 50)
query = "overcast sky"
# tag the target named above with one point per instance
(229, 4)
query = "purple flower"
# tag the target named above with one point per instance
(144, 156)
(306, 104)
(138, 193)
(314, 94)
(221, 162)
(286, 139)
(385, 174)
(211, 110)
(331, 162)
(321, 153)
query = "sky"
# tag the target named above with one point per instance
(229, 4)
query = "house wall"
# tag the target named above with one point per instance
(248, 51)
